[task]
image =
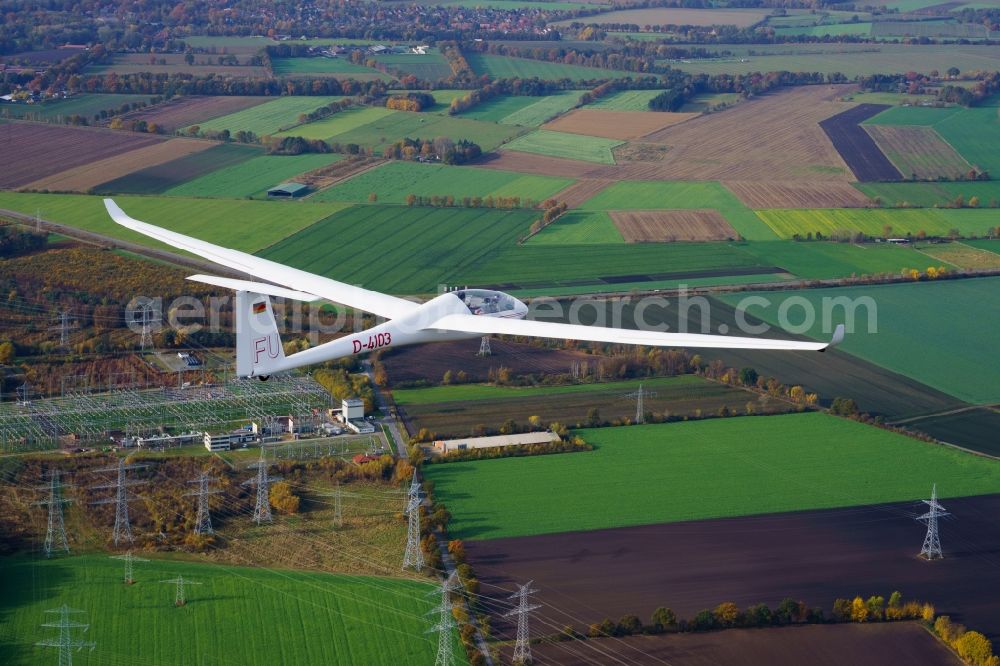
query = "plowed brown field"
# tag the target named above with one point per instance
(33, 151)
(188, 111)
(616, 124)
(797, 194)
(663, 226)
(581, 190)
(92, 174)
(541, 165)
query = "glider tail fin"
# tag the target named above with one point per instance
(258, 344)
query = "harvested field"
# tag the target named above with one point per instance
(742, 18)
(565, 145)
(162, 177)
(44, 150)
(173, 63)
(771, 137)
(338, 172)
(615, 124)
(797, 194)
(962, 255)
(827, 645)
(410, 364)
(185, 111)
(918, 152)
(664, 226)
(86, 176)
(539, 164)
(635, 151)
(581, 191)
(813, 556)
(856, 146)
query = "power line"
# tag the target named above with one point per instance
(129, 560)
(55, 535)
(65, 642)
(122, 530)
(180, 582)
(932, 541)
(204, 520)
(522, 646)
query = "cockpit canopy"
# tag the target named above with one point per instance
(490, 302)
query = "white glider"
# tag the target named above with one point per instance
(456, 315)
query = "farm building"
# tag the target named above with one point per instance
(449, 445)
(287, 191)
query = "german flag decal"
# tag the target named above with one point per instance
(259, 307)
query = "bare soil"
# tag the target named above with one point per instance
(541, 165)
(817, 645)
(635, 151)
(186, 111)
(581, 191)
(812, 556)
(856, 146)
(797, 194)
(663, 226)
(616, 124)
(34, 151)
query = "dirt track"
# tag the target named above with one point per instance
(828, 645)
(813, 556)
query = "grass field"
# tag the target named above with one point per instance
(242, 225)
(397, 125)
(871, 221)
(422, 247)
(833, 29)
(569, 146)
(395, 180)
(626, 100)
(341, 68)
(706, 469)
(828, 260)
(270, 117)
(430, 66)
(253, 177)
(933, 194)
(579, 228)
(502, 67)
(525, 111)
(938, 333)
(162, 177)
(360, 619)
(87, 105)
(338, 123)
(660, 195)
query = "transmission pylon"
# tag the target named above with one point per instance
(180, 582)
(932, 542)
(640, 410)
(129, 560)
(66, 643)
(445, 625)
(338, 496)
(262, 482)
(146, 339)
(413, 491)
(413, 556)
(123, 529)
(204, 521)
(484, 347)
(522, 646)
(63, 327)
(55, 535)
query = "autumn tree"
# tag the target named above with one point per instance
(726, 614)
(6, 353)
(663, 619)
(859, 610)
(283, 499)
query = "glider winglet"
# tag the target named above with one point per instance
(838, 337)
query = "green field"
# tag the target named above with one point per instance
(395, 180)
(939, 333)
(338, 123)
(626, 100)
(579, 228)
(662, 195)
(86, 105)
(162, 177)
(332, 66)
(568, 146)
(269, 117)
(253, 177)
(507, 67)
(525, 111)
(833, 29)
(933, 193)
(818, 260)
(398, 125)
(973, 132)
(704, 469)
(242, 225)
(871, 221)
(417, 248)
(269, 616)
(430, 66)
